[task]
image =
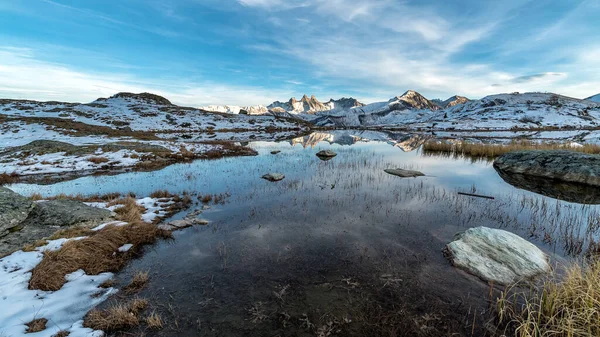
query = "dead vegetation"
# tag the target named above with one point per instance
(6, 179)
(491, 151)
(561, 307)
(98, 160)
(98, 252)
(154, 321)
(36, 325)
(117, 317)
(138, 282)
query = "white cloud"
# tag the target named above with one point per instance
(25, 76)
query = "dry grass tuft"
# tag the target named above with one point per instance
(95, 254)
(36, 325)
(6, 179)
(491, 151)
(72, 232)
(62, 333)
(117, 317)
(98, 160)
(107, 284)
(139, 281)
(160, 194)
(36, 197)
(154, 321)
(130, 212)
(560, 308)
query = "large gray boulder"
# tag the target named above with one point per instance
(404, 173)
(65, 213)
(14, 208)
(561, 165)
(496, 255)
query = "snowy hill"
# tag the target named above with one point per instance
(141, 112)
(233, 109)
(506, 111)
(595, 98)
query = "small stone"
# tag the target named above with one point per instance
(180, 224)
(273, 176)
(326, 154)
(275, 152)
(404, 173)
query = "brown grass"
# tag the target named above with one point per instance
(109, 197)
(96, 253)
(6, 178)
(62, 333)
(161, 194)
(491, 151)
(117, 317)
(561, 307)
(36, 197)
(36, 325)
(138, 282)
(154, 321)
(98, 160)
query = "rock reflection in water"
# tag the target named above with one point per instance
(571, 192)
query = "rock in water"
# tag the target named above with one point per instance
(561, 165)
(14, 209)
(275, 152)
(66, 213)
(273, 176)
(404, 173)
(326, 154)
(496, 255)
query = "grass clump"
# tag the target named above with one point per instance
(98, 160)
(154, 321)
(6, 179)
(491, 151)
(138, 282)
(36, 325)
(566, 307)
(117, 317)
(98, 253)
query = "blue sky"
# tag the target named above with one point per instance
(247, 52)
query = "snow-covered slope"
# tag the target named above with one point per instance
(506, 111)
(142, 112)
(595, 98)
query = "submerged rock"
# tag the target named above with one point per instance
(66, 213)
(496, 255)
(14, 209)
(273, 176)
(561, 165)
(326, 154)
(561, 190)
(404, 173)
(275, 152)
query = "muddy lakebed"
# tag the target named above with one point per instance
(339, 247)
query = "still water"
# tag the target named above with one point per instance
(339, 247)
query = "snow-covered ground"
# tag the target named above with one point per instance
(64, 309)
(139, 114)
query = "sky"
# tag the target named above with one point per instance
(250, 52)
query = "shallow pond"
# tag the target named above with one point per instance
(339, 247)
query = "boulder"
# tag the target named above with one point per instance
(404, 173)
(273, 176)
(66, 213)
(14, 209)
(326, 154)
(496, 255)
(560, 165)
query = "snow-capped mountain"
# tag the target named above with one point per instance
(312, 105)
(233, 109)
(595, 98)
(404, 141)
(450, 102)
(408, 108)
